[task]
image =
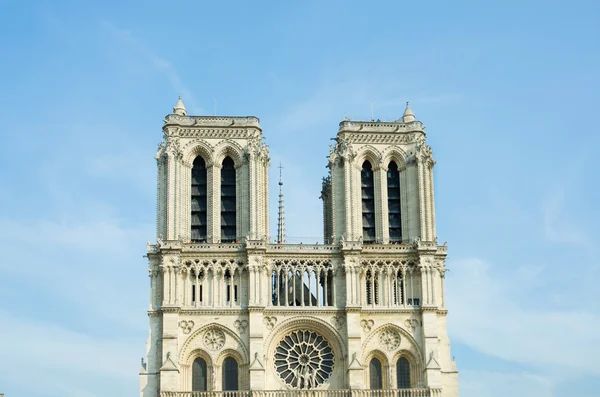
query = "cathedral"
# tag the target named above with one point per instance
(235, 312)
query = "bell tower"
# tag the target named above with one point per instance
(380, 187)
(212, 178)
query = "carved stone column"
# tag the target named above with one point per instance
(381, 209)
(213, 174)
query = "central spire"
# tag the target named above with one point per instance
(281, 218)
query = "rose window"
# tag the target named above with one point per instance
(214, 339)
(389, 339)
(304, 359)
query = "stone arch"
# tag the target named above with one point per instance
(312, 324)
(396, 154)
(194, 342)
(416, 368)
(197, 148)
(194, 354)
(385, 367)
(223, 354)
(369, 153)
(412, 343)
(228, 148)
(186, 368)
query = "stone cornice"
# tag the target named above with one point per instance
(213, 121)
(380, 127)
(302, 310)
(255, 309)
(215, 311)
(390, 310)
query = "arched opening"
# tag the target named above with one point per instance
(403, 373)
(368, 203)
(230, 374)
(394, 209)
(228, 202)
(398, 288)
(372, 287)
(198, 221)
(375, 375)
(199, 375)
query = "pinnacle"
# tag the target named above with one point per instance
(408, 115)
(180, 108)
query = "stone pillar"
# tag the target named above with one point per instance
(169, 371)
(430, 347)
(354, 371)
(213, 192)
(378, 185)
(383, 211)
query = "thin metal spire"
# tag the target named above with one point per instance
(281, 218)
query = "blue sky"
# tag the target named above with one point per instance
(509, 91)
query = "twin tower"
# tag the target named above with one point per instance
(234, 314)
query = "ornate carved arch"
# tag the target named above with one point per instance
(385, 367)
(369, 153)
(230, 353)
(311, 324)
(396, 154)
(228, 148)
(195, 338)
(198, 147)
(403, 333)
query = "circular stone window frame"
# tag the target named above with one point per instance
(293, 353)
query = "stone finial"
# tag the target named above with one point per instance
(408, 115)
(180, 108)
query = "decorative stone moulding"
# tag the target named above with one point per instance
(337, 321)
(389, 339)
(411, 323)
(214, 339)
(367, 325)
(240, 325)
(186, 326)
(270, 322)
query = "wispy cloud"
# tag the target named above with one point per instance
(557, 227)
(63, 361)
(127, 38)
(88, 265)
(357, 97)
(502, 384)
(488, 317)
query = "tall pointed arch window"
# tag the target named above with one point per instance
(198, 221)
(403, 373)
(228, 201)
(199, 375)
(368, 203)
(230, 374)
(375, 375)
(394, 211)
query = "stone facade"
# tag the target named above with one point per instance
(297, 316)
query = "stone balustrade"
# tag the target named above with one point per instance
(310, 393)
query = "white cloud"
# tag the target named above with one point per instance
(485, 315)
(51, 360)
(496, 384)
(125, 37)
(94, 266)
(557, 227)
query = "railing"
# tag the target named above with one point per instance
(206, 246)
(309, 393)
(303, 247)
